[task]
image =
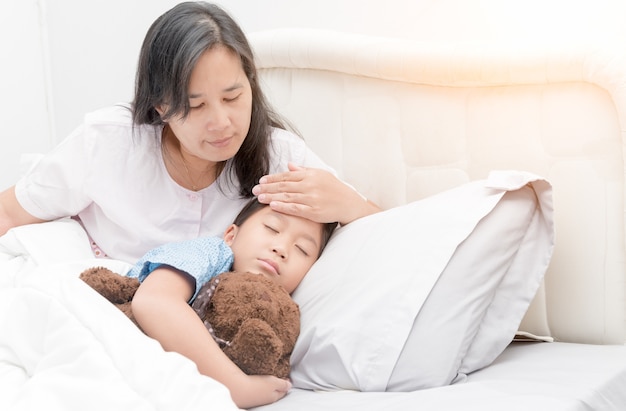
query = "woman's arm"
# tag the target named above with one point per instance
(314, 194)
(161, 309)
(12, 214)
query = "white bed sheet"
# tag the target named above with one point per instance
(527, 376)
(64, 347)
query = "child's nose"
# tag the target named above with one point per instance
(280, 250)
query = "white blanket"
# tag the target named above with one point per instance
(64, 347)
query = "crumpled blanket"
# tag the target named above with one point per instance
(64, 347)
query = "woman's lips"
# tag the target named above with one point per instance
(221, 143)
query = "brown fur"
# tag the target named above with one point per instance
(116, 288)
(256, 315)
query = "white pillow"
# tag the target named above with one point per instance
(459, 259)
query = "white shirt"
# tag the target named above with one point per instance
(113, 177)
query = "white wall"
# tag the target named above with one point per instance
(88, 49)
(25, 124)
(94, 44)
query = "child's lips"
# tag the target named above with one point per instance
(270, 266)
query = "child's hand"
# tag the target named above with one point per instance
(257, 390)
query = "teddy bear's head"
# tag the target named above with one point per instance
(254, 318)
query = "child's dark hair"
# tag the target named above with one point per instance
(254, 205)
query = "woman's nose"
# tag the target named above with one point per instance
(218, 118)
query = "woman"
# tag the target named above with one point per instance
(180, 162)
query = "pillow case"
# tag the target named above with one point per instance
(419, 295)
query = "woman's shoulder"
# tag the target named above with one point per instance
(119, 114)
(290, 147)
(113, 126)
(286, 136)
(284, 142)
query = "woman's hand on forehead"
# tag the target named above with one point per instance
(311, 193)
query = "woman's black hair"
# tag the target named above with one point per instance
(169, 53)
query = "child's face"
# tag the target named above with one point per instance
(279, 246)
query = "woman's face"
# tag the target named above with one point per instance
(220, 99)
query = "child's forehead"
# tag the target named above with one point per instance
(269, 212)
(287, 217)
(290, 220)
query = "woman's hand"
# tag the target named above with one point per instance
(314, 194)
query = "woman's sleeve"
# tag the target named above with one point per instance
(54, 187)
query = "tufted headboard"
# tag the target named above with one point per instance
(403, 120)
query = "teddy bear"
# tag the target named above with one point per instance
(253, 319)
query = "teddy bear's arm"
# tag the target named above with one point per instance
(116, 288)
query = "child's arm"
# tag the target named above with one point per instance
(161, 309)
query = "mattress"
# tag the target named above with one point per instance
(527, 376)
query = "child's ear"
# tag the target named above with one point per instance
(230, 234)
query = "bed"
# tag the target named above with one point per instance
(451, 143)
(404, 121)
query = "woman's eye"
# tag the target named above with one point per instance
(196, 107)
(272, 229)
(231, 99)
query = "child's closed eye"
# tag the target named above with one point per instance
(303, 250)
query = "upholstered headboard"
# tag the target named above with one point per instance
(402, 120)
